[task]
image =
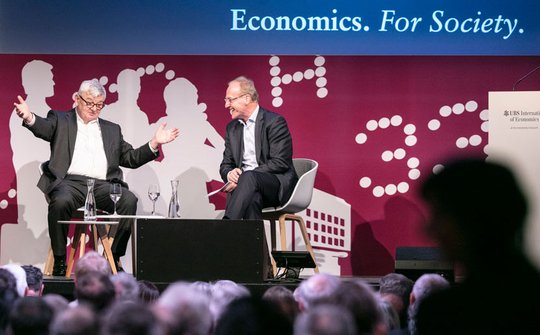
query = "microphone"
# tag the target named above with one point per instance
(524, 77)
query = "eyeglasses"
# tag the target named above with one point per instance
(91, 104)
(229, 100)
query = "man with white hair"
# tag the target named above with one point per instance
(84, 146)
(257, 161)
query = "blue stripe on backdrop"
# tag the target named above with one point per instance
(298, 27)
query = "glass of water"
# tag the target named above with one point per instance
(116, 194)
(153, 194)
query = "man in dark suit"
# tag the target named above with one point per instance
(257, 161)
(84, 146)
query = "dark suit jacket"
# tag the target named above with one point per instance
(60, 129)
(273, 147)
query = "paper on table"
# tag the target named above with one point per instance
(219, 189)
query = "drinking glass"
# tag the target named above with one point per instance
(153, 194)
(115, 194)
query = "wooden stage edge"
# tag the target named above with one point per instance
(65, 287)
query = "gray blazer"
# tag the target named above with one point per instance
(60, 129)
(273, 147)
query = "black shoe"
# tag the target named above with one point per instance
(117, 264)
(118, 267)
(59, 268)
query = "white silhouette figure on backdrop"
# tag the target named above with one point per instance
(135, 129)
(28, 153)
(125, 111)
(195, 157)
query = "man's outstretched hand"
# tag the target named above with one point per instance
(163, 136)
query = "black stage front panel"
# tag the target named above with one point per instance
(168, 250)
(413, 262)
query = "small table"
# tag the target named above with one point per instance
(133, 231)
(81, 228)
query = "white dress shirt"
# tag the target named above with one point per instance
(89, 155)
(249, 159)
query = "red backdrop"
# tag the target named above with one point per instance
(346, 130)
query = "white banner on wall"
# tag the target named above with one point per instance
(514, 138)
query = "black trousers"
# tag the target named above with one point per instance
(255, 191)
(70, 195)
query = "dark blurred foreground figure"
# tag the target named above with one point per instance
(477, 214)
(8, 296)
(30, 316)
(57, 302)
(251, 316)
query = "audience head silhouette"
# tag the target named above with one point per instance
(395, 289)
(96, 290)
(249, 315)
(317, 289)
(8, 296)
(476, 208)
(30, 316)
(478, 212)
(76, 320)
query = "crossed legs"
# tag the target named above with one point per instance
(255, 191)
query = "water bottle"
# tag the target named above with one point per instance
(174, 206)
(90, 203)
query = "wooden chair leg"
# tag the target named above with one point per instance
(303, 230)
(305, 235)
(274, 266)
(99, 231)
(112, 232)
(78, 235)
(110, 238)
(82, 242)
(49, 263)
(95, 238)
(102, 233)
(283, 231)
